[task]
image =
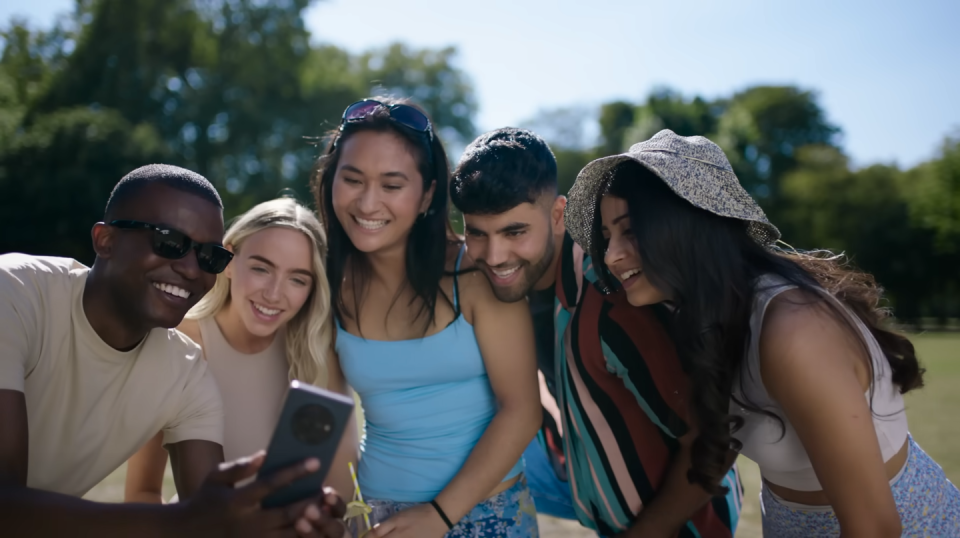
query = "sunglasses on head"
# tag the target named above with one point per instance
(405, 115)
(173, 245)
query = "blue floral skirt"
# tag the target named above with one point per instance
(928, 503)
(508, 514)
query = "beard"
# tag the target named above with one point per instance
(532, 273)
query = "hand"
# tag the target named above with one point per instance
(326, 521)
(638, 531)
(220, 510)
(421, 521)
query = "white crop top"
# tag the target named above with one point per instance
(783, 461)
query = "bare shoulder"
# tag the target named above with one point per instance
(800, 332)
(191, 328)
(476, 295)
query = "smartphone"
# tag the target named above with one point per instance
(310, 426)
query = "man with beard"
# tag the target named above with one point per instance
(91, 368)
(615, 447)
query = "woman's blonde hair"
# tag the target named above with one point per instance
(309, 334)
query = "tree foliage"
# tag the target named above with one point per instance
(902, 226)
(233, 89)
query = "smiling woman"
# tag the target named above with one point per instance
(445, 372)
(265, 322)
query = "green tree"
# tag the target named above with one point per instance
(667, 109)
(615, 118)
(864, 214)
(58, 173)
(229, 88)
(762, 128)
(934, 196)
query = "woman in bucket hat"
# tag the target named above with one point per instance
(789, 357)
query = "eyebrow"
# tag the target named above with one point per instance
(271, 264)
(616, 220)
(395, 173)
(513, 227)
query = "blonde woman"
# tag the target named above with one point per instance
(266, 321)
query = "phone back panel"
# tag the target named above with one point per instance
(311, 424)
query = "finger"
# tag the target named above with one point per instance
(382, 529)
(231, 472)
(333, 504)
(305, 528)
(256, 491)
(315, 523)
(281, 518)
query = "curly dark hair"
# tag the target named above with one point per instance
(709, 265)
(501, 170)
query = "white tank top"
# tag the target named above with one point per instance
(783, 461)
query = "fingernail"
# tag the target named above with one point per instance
(312, 512)
(312, 464)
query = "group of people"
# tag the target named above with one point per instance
(602, 356)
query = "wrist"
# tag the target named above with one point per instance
(645, 528)
(445, 520)
(182, 520)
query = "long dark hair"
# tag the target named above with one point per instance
(709, 266)
(426, 244)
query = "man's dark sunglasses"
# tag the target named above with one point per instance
(405, 115)
(173, 245)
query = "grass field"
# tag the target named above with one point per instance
(933, 413)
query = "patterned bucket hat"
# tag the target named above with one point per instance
(693, 167)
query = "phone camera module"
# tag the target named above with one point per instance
(312, 424)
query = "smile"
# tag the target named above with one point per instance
(504, 273)
(370, 224)
(172, 290)
(630, 273)
(266, 311)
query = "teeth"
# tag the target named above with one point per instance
(628, 274)
(172, 290)
(266, 311)
(370, 224)
(505, 274)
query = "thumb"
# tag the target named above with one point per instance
(231, 472)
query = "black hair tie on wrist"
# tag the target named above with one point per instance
(442, 515)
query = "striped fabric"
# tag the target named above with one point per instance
(623, 395)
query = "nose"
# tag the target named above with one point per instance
(497, 252)
(272, 291)
(615, 253)
(369, 200)
(188, 267)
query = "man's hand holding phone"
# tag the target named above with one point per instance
(219, 509)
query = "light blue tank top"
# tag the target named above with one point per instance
(426, 402)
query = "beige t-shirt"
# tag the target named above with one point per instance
(89, 406)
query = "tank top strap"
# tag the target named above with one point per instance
(767, 287)
(456, 287)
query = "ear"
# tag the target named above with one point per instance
(556, 215)
(427, 197)
(103, 237)
(228, 272)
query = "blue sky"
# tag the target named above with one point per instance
(888, 73)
